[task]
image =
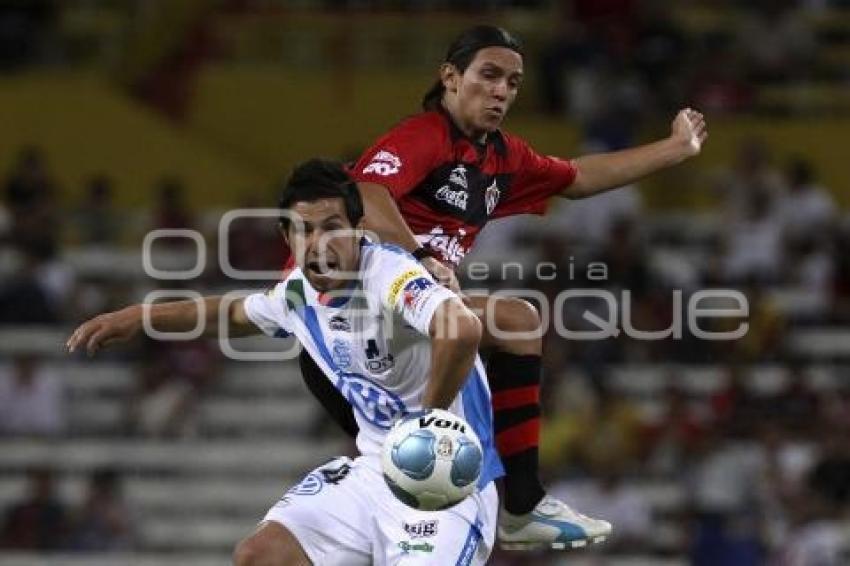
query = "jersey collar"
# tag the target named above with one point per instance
(494, 138)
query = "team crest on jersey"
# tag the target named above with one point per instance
(377, 405)
(491, 197)
(341, 354)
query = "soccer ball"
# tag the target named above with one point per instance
(431, 460)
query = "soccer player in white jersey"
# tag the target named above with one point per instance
(393, 342)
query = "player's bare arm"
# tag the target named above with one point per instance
(384, 218)
(179, 316)
(604, 171)
(455, 335)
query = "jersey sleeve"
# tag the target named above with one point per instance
(403, 157)
(403, 286)
(268, 311)
(537, 179)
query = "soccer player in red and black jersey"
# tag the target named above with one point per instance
(432, 182)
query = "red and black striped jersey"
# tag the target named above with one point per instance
(447, 186)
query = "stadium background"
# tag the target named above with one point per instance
(119, 117)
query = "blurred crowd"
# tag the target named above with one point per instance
(612, 62)
(102, 521)
(607, 64)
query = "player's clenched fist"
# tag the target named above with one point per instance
(690, 129)
(105, 329)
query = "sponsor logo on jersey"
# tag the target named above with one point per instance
(408, 547)
(339, 323)
(381, 365)
(374, 403)
(383, 163)
(341, 353)
(399, 282)
(450, 246)
(456, 198)
(416, 294)
(491, 197)
(422, 529)
(458, 176)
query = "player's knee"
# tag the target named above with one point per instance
(469, 329)
(517, 315)
(514, 326)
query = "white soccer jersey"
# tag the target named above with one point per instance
(372, 342)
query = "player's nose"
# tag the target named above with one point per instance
(500, 90)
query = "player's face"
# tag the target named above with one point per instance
(487, 89)
(326, 245)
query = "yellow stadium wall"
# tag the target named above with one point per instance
(86, 126)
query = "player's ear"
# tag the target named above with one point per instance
(282, 229)
(449, 76)
(360, 228)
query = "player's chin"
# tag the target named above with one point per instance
(491, 121)
(324, 282)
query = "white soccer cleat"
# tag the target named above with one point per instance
(551, 524)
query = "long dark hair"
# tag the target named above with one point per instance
(462, 51)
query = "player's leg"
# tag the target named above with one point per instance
(514, 374)
(329, 396)
(271, 544)
(514, 371)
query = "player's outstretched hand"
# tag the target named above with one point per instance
(105, 329)
(689, 128)
(444, 275)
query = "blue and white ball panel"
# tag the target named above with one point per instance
(342, 514)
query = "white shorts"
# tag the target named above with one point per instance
(344, 514)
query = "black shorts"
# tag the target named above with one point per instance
(329, 396)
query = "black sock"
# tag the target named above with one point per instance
(515, 384)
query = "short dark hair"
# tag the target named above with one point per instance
(317, 179)
(462, 51)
